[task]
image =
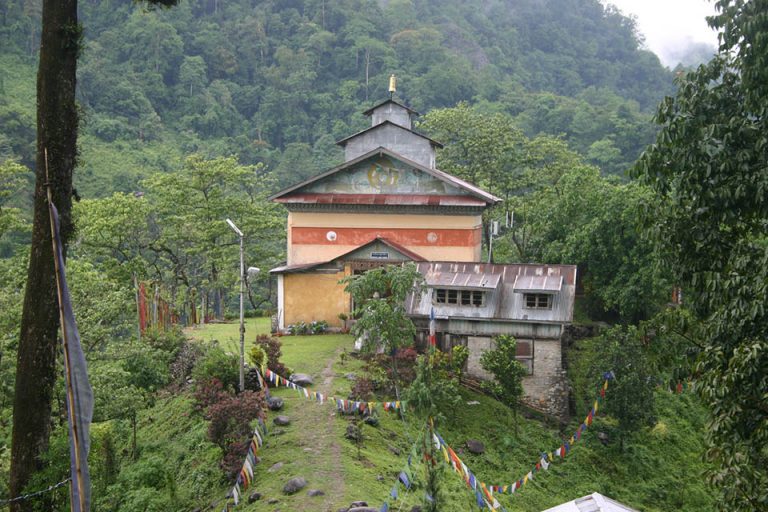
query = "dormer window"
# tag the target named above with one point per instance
(538, 300)
(474, 298)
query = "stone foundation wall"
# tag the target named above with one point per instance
(547, 388)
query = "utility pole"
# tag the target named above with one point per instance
(242, 310)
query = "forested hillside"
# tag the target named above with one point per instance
(279, 81)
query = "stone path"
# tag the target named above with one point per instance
(319, 436)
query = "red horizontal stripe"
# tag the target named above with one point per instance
(402, 236)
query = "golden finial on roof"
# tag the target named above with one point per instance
(392, 85)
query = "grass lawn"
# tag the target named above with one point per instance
(660, 469)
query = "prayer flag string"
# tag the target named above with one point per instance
(342, 404)
(485, 493)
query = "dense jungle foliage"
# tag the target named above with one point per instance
(278, 82)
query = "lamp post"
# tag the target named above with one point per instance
(242, 310)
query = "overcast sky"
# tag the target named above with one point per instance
(669, 26)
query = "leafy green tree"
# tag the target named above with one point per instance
(379, 297)
(11, 181)
(631, 401)
(507, 371)
(708, 168)
(488, 151)
(585, 219)
(434, 393)
(57, 128)
(190, 209)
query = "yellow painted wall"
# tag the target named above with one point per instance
(322, 253)
(312, 253)
(311, 297)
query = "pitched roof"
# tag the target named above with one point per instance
(388, 122)
(503, 302)
(389, 100)
(594, 502)
(380, 151)
(288, 269)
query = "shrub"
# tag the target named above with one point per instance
(148, 368)
(257, 356)
(318, 327)
(272, 346)
(209, 392)
(459, 357)
(362, 389)
(230, 426)
(216, 363)
(169, 341)
(185, 361)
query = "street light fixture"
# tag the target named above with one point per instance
(242, 310)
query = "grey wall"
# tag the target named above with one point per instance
(395, 139)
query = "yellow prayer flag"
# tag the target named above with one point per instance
(605, 384)
(397, 404)
(595, 406)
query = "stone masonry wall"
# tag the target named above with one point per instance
(546, 389)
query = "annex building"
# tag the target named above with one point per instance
(389, 204)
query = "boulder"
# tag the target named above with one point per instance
(275, 467)
(363, 509)
(372, 421)
(315, 492)
(282, 421)
(353, 433)
(302, 379)
(254, 496)
(475, 447)
(274, 403)
(273, 501)
(358, 504)
(294, 485)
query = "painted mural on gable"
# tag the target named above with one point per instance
(382, 175)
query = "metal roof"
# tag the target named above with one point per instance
(286, 196)
(594, 502)
(462, 280)
(540, 284)
(502, 302)
(382, 199)
(388, 100)
(288, 269)
(343, 141)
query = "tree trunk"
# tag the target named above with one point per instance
(56, 132)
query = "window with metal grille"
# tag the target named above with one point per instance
(538, 301)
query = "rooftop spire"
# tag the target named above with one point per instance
(392, 85)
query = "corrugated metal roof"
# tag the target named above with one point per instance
(462, 280)
(343, 141)
(501, 303)
(541, 284)
(382, 199)
(388, 100)
(287, 269)
(594, 502)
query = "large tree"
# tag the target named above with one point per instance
(710, 169)
(56, 157)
